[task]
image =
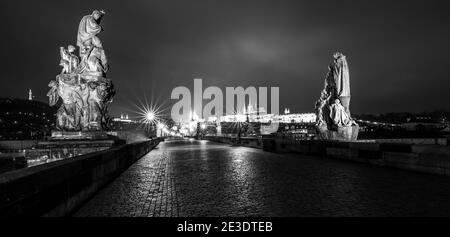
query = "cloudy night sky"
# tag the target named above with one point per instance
(398, 53)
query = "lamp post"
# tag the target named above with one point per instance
(160, 129)
(150, 119)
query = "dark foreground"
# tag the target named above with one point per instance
(200, 178)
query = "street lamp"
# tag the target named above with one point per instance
(150, 116)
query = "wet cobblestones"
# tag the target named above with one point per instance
(200, 178)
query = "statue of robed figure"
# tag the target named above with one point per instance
(334, 121)
(82, 85)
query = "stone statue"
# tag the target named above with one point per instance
(94, 63)
(338, 114)
(69, 61)
(69, 113)
(53, 93)
(88, 30)
(334, 121)
(321, 108)
(342, 79)
(82, 85)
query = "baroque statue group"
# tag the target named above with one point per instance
(334, 120)
(82, 85)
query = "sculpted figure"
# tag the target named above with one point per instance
(53, 93)
(88, 30)
(320, 109)
(94, 64)
(83, 87)
(67, 119)
(339, 116)
(334, 96)
(342, 80)
(95, 110)
(330, 82)
(93, 58)
(84, 95)
(69, 61)
(105, 92)
(71, 106)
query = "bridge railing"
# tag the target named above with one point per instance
(430, 155)
(59, 188)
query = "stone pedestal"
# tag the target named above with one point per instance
(341, 134)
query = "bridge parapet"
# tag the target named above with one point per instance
(421, 156)
(431, 155)
(59, 188)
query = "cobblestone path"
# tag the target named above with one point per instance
(201, 178)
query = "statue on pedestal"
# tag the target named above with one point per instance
(82, 84)
(334, 120)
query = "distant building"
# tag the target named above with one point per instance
(124, 123)
(297, 118)
(261, 116)
(423, 123)
(249, 123)
(131, 130)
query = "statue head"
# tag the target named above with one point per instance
(337, 101)
(86, 47)
(98, 14)
(323, 94)
(52, 83)
(71, 48)
(338, 55)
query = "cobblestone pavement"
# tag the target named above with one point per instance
(200, 178)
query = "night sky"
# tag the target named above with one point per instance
(398, 51)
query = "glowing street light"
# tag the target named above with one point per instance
(150, 116)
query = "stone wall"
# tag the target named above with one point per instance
(432, 159)
(244, 141)
(416, 141)
(422, 155)
(131, 136)
(58, 188)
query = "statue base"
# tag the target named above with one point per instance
(341, 134)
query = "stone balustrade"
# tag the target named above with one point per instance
(59, 188)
